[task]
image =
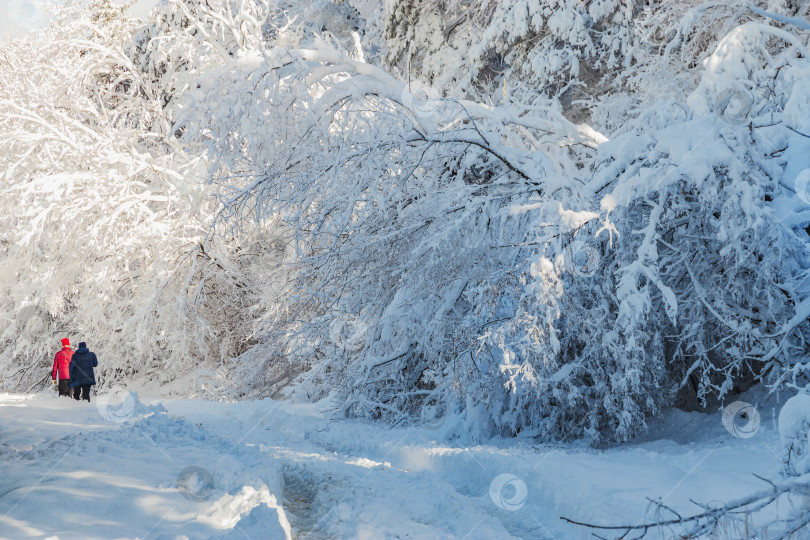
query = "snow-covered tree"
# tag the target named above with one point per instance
(428, 245)
(106, 222)
(411, 210)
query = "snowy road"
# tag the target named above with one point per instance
(115, 469)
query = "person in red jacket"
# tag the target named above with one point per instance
(61, 366)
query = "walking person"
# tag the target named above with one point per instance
(61, 367)
(82, 376)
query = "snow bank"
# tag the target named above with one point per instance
(70, 471)
(794, 429)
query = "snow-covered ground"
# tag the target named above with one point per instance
(124, 467)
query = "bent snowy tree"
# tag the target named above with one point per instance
(445, 234)
(396, 244)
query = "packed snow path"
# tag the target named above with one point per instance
(121, 468)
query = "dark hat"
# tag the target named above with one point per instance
(82, 344)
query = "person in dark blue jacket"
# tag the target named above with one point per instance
(82, 376)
